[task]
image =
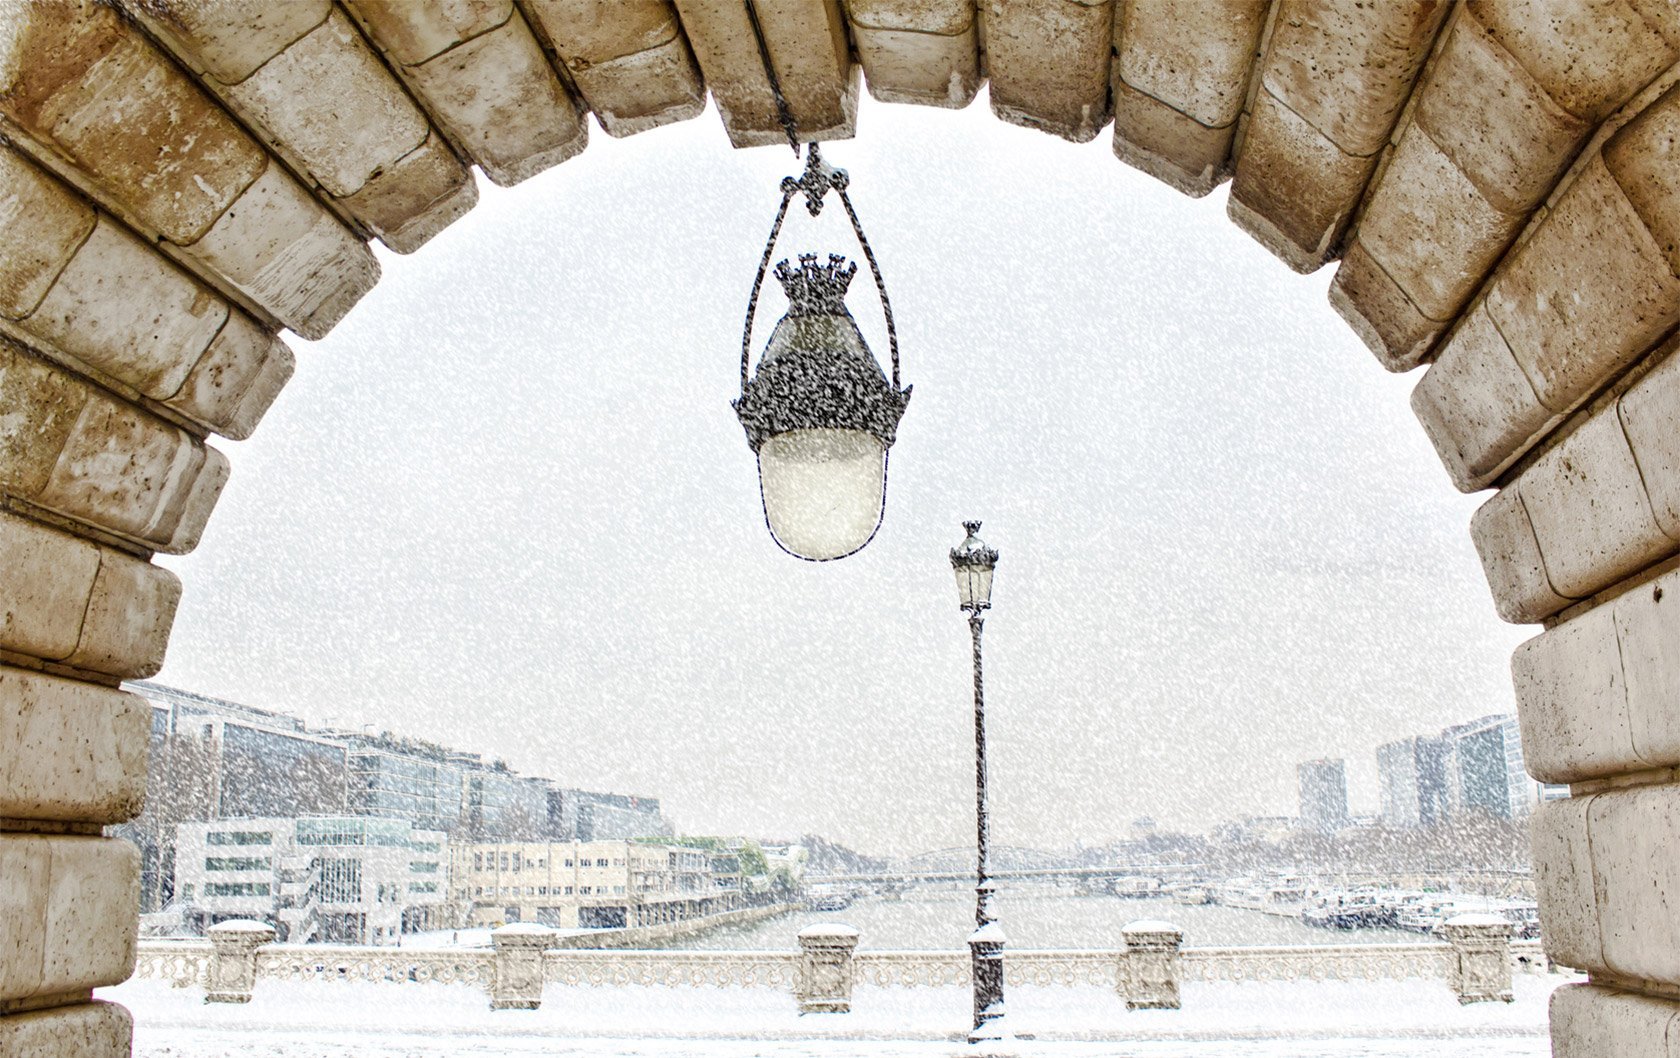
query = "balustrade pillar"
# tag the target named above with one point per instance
(517, 976)
(233, 959)
(824, 983)
(1149, 965)
(1481, 966)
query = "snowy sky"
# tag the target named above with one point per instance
(506, 506)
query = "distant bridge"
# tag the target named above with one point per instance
(1111, 872)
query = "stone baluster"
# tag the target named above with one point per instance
(824, 982)
(517, 979)
(1481, 966)
(233, 960)
(1149, 965)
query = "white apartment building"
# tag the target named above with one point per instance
(584, 884)
(333, 879)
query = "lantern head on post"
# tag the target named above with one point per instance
(819, 413)
(973, 562)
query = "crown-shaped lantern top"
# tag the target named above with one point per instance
(816, 289)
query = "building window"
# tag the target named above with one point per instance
(478, 890)
(542, 890)
(568, 863)
(618, 889)
(422, 867)
(584, 891)
(422, 887)
(238, 863)
(601, 862)
(235, 889)
(568, 890)
(478, 861)
(516, 861)
(239, 837)
(504, 861)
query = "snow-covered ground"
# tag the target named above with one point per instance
(1394, 1019)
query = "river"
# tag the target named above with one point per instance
(1032, 918)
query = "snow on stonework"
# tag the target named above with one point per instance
(1404, 1019)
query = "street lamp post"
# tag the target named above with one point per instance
(973, 562)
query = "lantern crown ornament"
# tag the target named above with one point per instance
(819, 413)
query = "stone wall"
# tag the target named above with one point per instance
(181, 181)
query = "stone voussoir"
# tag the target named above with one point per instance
(1591, 516)
(629, 61)
(1486, 106)
(76, 284)
(99, 104)
(926, 54)
(71, 915)
(1632, 834)
(1333, 81)
(806, 40)
(1595, 694)
(82, 604)
(1563, 882)
(76, 751)
(1049, 64)
(1178, 80)
(325, 102)
(491, 90)
(1589, 1021)
(82, 1030)
(77, 451)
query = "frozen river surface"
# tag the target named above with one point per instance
(1037, 918)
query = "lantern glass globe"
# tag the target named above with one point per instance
(824, 490)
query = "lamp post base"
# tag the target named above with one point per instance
(986, 955)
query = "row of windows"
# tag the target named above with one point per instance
(423, 867)
(235, 888)
(238, 863)
(422, 887)
(544, 890)
(239, 837)
(515, 862)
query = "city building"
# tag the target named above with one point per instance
(1486, 773)
(401, 779)
(585, 815)
(1324, 804)
(1251, 829)
(1412, 776)
(334, 879)
(498, 805)
(214, 759)
(584, 884)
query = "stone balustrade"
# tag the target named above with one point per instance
(1476, 961)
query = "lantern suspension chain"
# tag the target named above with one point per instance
(818, 179)
(782, 111)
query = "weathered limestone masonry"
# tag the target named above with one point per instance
(180, 180)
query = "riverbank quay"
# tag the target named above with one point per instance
(1274, 1019)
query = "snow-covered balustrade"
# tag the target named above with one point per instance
(1347, 962)
(335, 962)
(700, 969)
(188, 964)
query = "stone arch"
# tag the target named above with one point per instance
(181, 181)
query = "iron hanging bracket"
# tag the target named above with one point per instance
(816, 182)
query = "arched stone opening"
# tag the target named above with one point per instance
(1496, 181)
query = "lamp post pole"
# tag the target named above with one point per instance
(973, 562)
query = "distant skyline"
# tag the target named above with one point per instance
(506, 506)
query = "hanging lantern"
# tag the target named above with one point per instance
(819, 413)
